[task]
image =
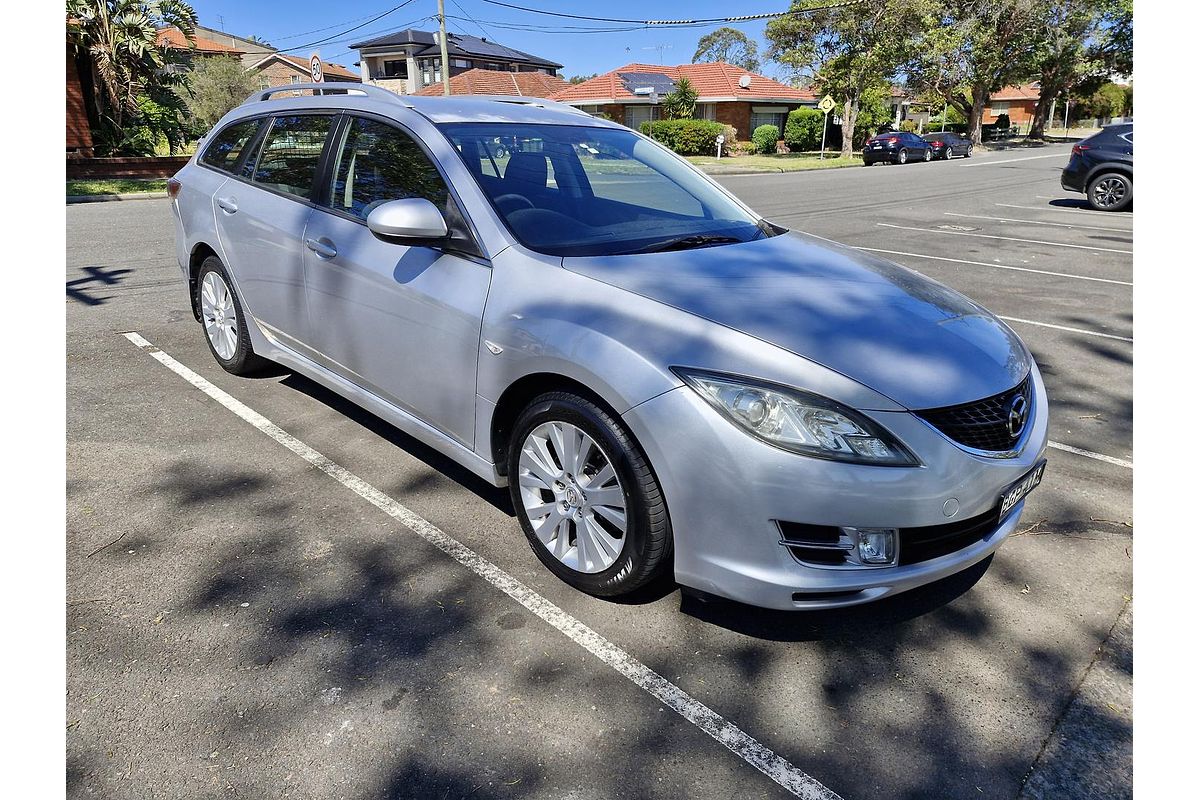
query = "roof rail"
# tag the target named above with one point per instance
(336, 87)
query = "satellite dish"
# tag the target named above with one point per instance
(744, 81)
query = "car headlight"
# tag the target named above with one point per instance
(799, 421)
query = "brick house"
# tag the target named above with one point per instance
(408, 61)
(1016, 101)
(199, 47)
(725, 93)
(279, 69)
(487, 81)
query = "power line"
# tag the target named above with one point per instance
(320, 30)
(477, 25)
(348, 30)
(681, 22)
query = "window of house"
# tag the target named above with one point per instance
(1000, 107)
(779, 120)
(636, 115)
(396, 68)
(706, 111)
(263, 85)
(226, 148)
(296, 79)
(290, 153)
(377, 163)
(460, 62)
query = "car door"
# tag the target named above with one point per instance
(401, 321)
(261, 215)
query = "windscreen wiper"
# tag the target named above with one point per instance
(689, 242)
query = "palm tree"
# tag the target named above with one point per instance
(119, 38)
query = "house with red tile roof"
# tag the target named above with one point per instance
(725, 93)
(499, 82)
(280, 69)
(173, 38)
(1016, 101)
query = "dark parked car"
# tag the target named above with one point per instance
(1101, 167)
(896, 147)
(947, 143)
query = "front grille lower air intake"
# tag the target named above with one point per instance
(984, 424)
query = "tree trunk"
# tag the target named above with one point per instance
(849, 119)
(979, 98)
(1044, 108)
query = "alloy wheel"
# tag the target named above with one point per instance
(219, 314)
(1109, 192)
(572, 497)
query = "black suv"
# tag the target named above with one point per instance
(1101, 167)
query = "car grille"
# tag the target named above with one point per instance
(983, 424)
(932, 541)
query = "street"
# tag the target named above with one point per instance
(243, 621)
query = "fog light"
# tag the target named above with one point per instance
(875, 545)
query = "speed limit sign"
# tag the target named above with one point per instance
(318, 74)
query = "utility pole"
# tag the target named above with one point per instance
(442, 40)
(945, 111)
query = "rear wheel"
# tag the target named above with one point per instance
(1111, 191)
(224, 321)
(902, 156)
(586, 497)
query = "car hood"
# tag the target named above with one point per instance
(903, 335)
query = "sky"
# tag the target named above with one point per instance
(295, 23)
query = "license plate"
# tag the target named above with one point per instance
(876, 147)
(1018, 491)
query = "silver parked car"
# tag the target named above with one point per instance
(666, 381)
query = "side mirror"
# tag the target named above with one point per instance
(410, 218)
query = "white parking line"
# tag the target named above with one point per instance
(1109, 214)
(996, 266)
(742, 744)
(1004, 238)
(1011, 160)
(1065, 328)
(1038, 222)
(1089, 454)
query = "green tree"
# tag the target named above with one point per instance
(729, 45)
(581, 78)
(680, 103)
(1080, 43)
(118, 43)
(216, 85)
(971, 48)
(848, 52)
(1107, 101)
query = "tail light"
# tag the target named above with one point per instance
(173, 187)
(892, 140)
(1079, 148)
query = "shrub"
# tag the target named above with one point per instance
(803, 129)
(764, 138)
(687, 137)
(909, 125)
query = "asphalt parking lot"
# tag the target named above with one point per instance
(240, 623)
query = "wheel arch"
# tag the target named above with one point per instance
(200, 251)
(1108, 166)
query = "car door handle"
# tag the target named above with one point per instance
(227, 205)
(322, 247)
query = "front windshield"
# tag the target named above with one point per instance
(570, 190)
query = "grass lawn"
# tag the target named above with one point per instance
(116, 185)
(789, 162)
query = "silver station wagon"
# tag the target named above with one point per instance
(667, 382)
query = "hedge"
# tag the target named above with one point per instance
(765, 138)
(687, 137)
(803, 129)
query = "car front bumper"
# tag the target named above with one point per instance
(727, 491)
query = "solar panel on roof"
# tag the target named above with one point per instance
(654, 80)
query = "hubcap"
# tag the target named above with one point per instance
(1110, 191)
(572, 497)
(220, 316)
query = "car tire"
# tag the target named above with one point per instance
(541, 478)
(928, 156)
(228, 340)
(902, 156)
(968, 153)
(1110, 191)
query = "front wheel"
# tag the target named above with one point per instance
(589, 503)
(969, 148)
(1111, 191)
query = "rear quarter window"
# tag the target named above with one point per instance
(226, 148)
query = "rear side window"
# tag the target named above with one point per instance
(227, 146)
(291, 152)
(377, 163)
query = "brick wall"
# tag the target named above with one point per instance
(276, 74)
(79, 134)
(737, 115)
(133, 167)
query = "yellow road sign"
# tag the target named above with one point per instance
(826, 105)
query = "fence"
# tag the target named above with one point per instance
(128, 167)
